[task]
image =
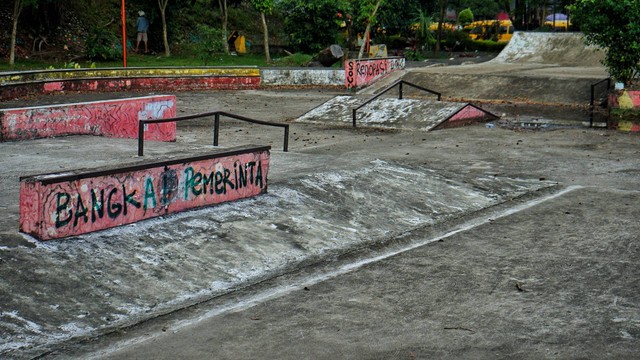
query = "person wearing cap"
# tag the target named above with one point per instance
(142, 26)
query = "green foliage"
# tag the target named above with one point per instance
(263, 6)
(482, 9)
(396, 16)
(422, 22)
(312, 25)
(614, 26)
(414, 55)
(207, 43)
(486, 45)
(458, 40)
(102, 44)
(620, 114)
(465, 17)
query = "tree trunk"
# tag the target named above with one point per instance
(163, 14)
(367, 31)
(267, 55)
(330, 55)
(224, 17)
(17, 8)
(443, 11)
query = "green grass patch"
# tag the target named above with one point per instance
(297, 59)
(159, 60)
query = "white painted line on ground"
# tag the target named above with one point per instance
(280, 291)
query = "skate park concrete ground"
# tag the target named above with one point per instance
(473, 242)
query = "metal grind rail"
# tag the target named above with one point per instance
(216, 127)
(398, 83)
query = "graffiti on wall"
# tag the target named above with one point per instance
(111, 118)
(50, 209)
(361, 73)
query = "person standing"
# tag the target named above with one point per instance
(142, 26)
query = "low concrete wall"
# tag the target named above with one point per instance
(59, 205)
(625, 113)
(362, 73)
(112, 73)
(110, 118)
(20, 84)
(302, 77)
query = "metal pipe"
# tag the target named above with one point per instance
(141, 138)
(216, 129)
(285, 147)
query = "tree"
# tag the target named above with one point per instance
(163, 14)
(370, 20)
(312, 25)
(465, 17)
(482, 9)
(613, 25)
(18, 5)
(396, 16)
(423, 35)
(264, 7)
(442, 10)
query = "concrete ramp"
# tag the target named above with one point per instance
(564, 49)
(393, 113)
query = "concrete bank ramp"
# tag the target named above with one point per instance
(92, 284)
(392, 113)
(564, 49)
(545, 68)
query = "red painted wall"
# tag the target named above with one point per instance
(468, 115)
(111, 118)
(362, 73)
(160, 84)
(60, 205)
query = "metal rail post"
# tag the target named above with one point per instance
(216, 129)
(140, 138)
(353, 116)
(285, 147)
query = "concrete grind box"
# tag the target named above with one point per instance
(111, 118)
(66, 204)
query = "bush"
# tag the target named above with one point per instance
(103, 44)
(414, 55)
(456, 39)
(465, 17)
(486, 45)
(207, 42)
